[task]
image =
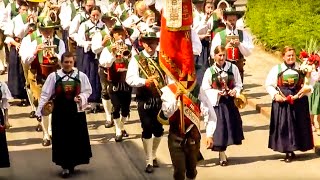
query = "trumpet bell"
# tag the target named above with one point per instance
(241, 101)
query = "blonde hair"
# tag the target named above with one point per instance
(147, 14)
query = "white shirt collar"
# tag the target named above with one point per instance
(148, 56)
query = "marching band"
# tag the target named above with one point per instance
(114, 48)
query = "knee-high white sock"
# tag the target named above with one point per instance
(147, 145)
(31, 99)
(155, 145)
(44, 124)
(118, 124)
(107, 106)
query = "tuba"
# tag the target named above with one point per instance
(241, 101)
(122, 50)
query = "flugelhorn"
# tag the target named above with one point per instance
(122, 50)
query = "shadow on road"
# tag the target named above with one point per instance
(232, 161)
(111, 160)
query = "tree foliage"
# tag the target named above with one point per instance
(278, 23)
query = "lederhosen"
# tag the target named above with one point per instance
(290, 124)
(229, 124)
(119, 90)
(103, 73)
(149, 100)
(241, 61)
(35, 75)
(70, 137)
(184, 148)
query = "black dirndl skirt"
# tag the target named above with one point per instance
(90, 68)
(70, 137)
(79, 58)
(229, 125)
(65, 36)
(201, 61)
(16, 79)
(4, 153)
(290, 125)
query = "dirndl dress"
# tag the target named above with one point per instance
(4, 153)
(229, 123)
(90, 68)
(290, 125)
(314, 99)
(16, 79)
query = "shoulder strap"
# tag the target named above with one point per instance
(24, 18)
(33, 36)
(279, 69)
(40, 53)
(14, 12)
(240, 32)
(223, 36)
(73, 10)
(56, 42)
(6, 2)
(212, 70)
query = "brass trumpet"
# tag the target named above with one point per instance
(49, 51)
(122, 50)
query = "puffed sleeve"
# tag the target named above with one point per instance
(271, 82)
(65, 15)
(212, 95)
(196, 43)
(86, 89)
(237, 78)
(106, 58)
(96, 46)
(132, 77)
(6, 96)
(246, 46)
(46, 92)
(169, 102)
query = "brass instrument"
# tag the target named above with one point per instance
(223, 1)
(32, 23)
(122, 50)
(49, 51)
(50, 11)
(150, 68)
(241, 101)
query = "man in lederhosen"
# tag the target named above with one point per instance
(115, 59)
(145, 73)
(35, 53)
(101, 40)
(237, 42)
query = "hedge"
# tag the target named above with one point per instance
(277, 23)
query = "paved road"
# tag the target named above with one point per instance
(252, 160)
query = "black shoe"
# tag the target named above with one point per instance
(71, 170)
(39, 128)
(155, 163)
(289, 157)
(65, 173)
(118, 138)
(46, 142)
(223, 163)
(32, 114)
(108, 124)
(149, 169)
(124, 133)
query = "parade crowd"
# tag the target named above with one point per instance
(68, 58)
